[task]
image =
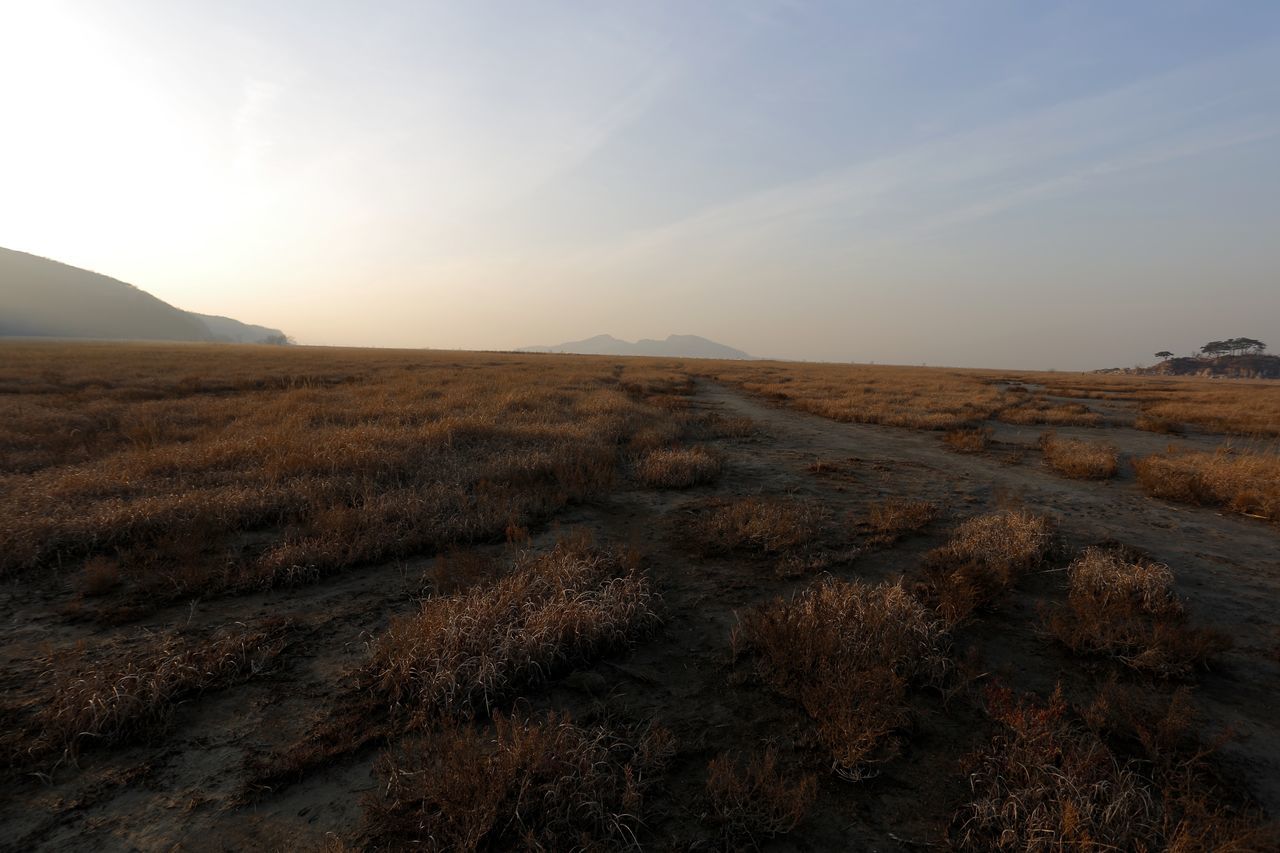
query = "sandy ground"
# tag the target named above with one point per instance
(183, 791)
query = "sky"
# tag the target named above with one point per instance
(1007, 184)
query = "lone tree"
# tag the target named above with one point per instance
(1163, 354)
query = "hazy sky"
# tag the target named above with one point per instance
(976, 183)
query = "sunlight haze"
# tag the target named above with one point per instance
(986, 184)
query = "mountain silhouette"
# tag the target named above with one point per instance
(44, 298)
(679, 346)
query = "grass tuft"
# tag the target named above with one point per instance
(533, 783)
(1247, 483)
(1125, 608)
(1047, 782)
(1080, 460)
(984, 557)
(678, 468)
(847, 652)
(463, 653)
(121, 693)
(973, 440)
(755, 800)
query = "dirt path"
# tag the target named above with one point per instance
(181, 791)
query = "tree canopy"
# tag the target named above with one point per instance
(1233, 346)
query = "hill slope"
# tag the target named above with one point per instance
(233, 331)
(678, 346)
(1257, 366)
(44, 298)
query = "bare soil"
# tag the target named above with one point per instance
(187, 789)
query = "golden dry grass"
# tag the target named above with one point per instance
(127, 691)
(201, 468)
(1247, 483)
(919, 398)
(1125, 608)
(678, 467)
(891, 519)
(533, 784)
(1080, 460)
(474, 651)
(755, 799)
(1047, 782)
(1233, 407)
(847, 652)
(1154, 423)
(764, 524)
(464, 653)
(983, 558)
(973, 440)
(956, 399)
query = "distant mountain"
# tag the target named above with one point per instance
(44, 298)
(234, 332)
(676, 346)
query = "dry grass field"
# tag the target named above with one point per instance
(296, 598)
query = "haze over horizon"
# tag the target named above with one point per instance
(982, 184)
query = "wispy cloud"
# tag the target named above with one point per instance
(965, 176)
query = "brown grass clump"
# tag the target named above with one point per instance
(1049, 783)
(533, 784)
(1247, 483)
(463, 653)
(129, 692)
(1035, 410)
(713, 425)
(756, 800)
(983, 558)
(101, 576)
(678, 468)
(1152, 423)
(1080, 460)
(1125, 608)
(766, 525)
(847, 652)
(968, 440)
(893, 518)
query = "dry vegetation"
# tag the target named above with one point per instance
(127, 691)
(1048, 782)
(891, 519)
(756, 800)
(973, 440)
(1231, 407)
(984, 558)
(1247, 483)
(794, 531)
(767, 525)
(462, 654)
(963, 402)
(1123, 606)
(466, 654)
(678, 467)
(156, 501)
(1080, 460)
(848, 653)
(201, 469)
(532, 784)
(912, 397)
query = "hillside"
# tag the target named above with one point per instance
(678, 346)
(44, 298)
(1254, 366)
(233, 331)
